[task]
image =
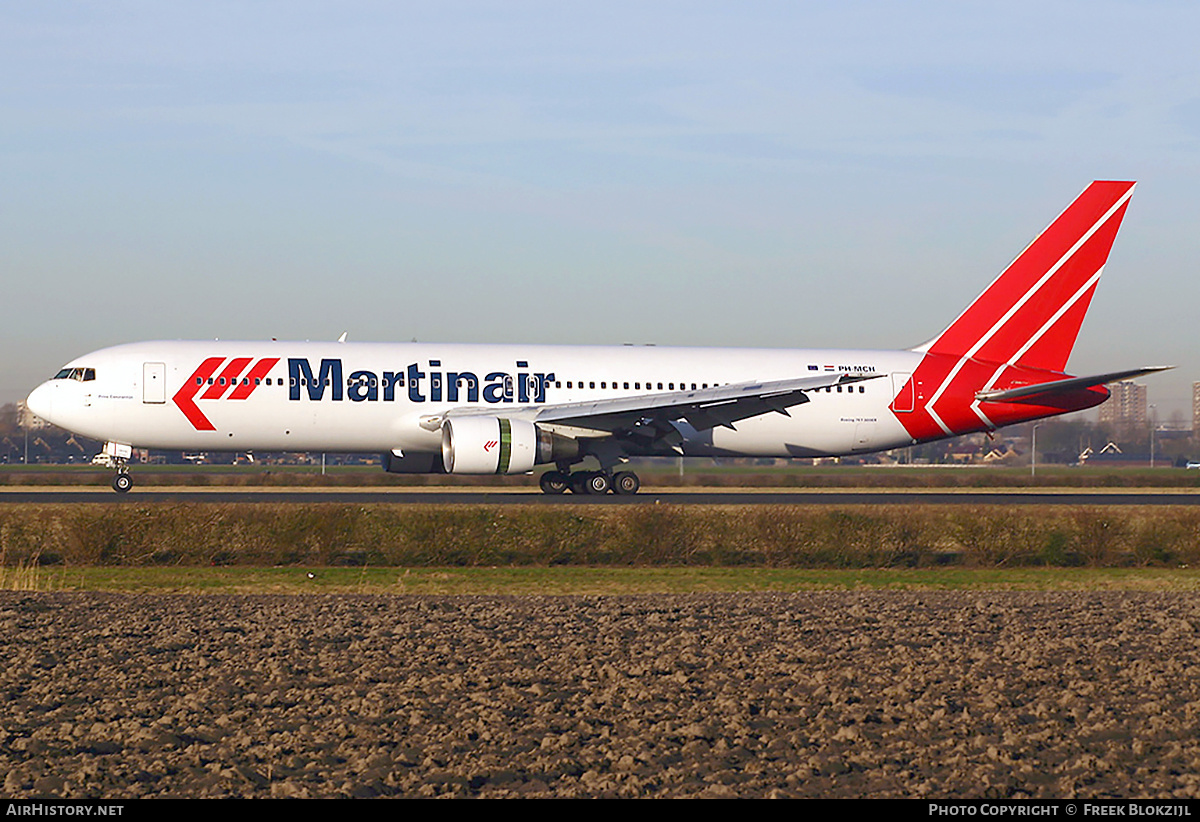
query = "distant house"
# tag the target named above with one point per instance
(962, 453)
(1112, 456)
(1001, 454)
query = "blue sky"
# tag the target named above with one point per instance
(845, 174)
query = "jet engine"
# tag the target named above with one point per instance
(497, 445)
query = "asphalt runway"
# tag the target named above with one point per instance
(648, 496)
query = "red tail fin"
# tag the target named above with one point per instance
(1030, 315)
(1022, 328)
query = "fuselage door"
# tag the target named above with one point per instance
(154, 382)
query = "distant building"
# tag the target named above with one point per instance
(1116, 460)
(29, 421)
(1127, 405)
(1196, 406)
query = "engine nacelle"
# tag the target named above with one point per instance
(497, 445)
(413, 462)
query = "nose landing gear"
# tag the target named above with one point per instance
(122, 482)
(119, 455)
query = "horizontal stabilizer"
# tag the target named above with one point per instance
(1027, 392)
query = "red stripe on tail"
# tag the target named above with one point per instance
(1024, 300)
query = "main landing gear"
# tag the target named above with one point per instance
(590, 482)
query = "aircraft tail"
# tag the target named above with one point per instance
(1019, 332)
(1030, 315)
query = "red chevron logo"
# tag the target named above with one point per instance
(230, 378)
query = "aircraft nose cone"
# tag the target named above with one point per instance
(41, 401)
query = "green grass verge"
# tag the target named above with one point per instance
(590, 581)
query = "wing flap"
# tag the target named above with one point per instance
(720, 406)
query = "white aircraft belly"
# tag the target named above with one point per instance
(813, 431)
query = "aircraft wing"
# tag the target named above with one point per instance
(1037, 391)
(651, 414)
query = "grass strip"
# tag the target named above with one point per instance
(579, 581)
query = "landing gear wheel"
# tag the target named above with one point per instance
(597, 482)
(122, 483)
(626, 482)
(553, 482)
(577, 482)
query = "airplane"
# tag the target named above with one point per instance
(504, 409)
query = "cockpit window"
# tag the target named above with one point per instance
(80, 374)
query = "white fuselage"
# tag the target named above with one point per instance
(372, 397)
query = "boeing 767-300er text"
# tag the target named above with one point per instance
(503, 409)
